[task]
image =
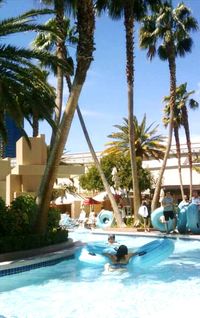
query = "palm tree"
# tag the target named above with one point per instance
(20, 79)
(85, 28)
(185, 122)
(176, 126)
(171, 27)
(43, 110)
(117, 214)
(53, 41)
(61, 26)
(48, 41)
(148, 144)
(132, 11)
(183, 101)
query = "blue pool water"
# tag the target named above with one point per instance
(68, 290)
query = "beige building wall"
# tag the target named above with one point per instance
(25, 177)
(13, 186)
(5, 169)
(35, 154)
(75, 209)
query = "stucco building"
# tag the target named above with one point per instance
(23, 175)
(171, 177)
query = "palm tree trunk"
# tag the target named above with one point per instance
(35, 124)
(187, 134)
(129, 27)
(178, 153)
(172, 70)
(85, 26)
(59, 8)
(117, 214)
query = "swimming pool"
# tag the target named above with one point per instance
(68, 290)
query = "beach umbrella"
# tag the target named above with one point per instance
(90, 201)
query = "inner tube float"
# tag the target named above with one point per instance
(152, 253)
(101, 247)
(149, 254)
(182, 219)
(92, 259)
(104, 219)
(193, 218)
(157, 220)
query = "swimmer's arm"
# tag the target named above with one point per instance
(136, 254)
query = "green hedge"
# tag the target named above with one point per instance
(17, 225)
(26, 242)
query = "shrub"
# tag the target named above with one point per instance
(3, 217)
(22, 215)
(31, 241)
(17, 226)
(53, 219)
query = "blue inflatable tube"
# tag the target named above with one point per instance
(91, 258)
(104, 219)
(156, 220)
(101, 247)
(193, 218)
(151, 254)
(182, 220)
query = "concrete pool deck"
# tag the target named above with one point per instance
(152, 233)
(12, 263)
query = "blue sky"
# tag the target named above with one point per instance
(103, 100)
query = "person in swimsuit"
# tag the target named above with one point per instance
(112, 241)
(120, 259)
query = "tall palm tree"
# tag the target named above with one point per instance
(117, 214)
(61, 25)
(131, 11)
(48, 41)
(42, 111)
(85, 28)
(53, 41)
(183, 101)
(148, 144)
(166, 32)
(176, 126)
(20, 79)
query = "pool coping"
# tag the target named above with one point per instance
(12, 263)
(152, 233)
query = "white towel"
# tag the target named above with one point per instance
(143, 211)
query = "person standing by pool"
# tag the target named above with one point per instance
(184, 202)
(144, 213)
(82, 217)
(196, 198)
(168, 210)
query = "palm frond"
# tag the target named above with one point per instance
(148, 143)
